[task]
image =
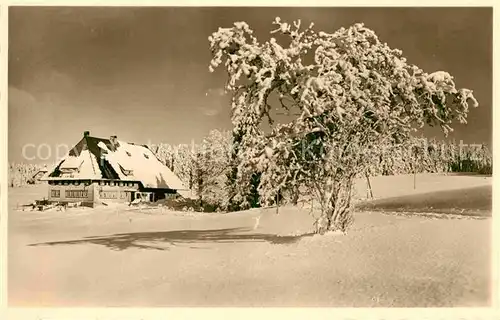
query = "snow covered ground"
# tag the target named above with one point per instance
(116, 256)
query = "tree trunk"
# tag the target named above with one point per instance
(191, 179)
(414, 179)
(253, 196)
(200, 192)
(336, 214)
(233, 205)
(277, 205)
(369, 185)
(295, 196)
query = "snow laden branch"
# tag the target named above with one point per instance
(351, 92)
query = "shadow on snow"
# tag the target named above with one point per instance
(158, 240)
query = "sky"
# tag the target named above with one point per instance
(142, 73)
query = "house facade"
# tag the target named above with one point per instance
(100, 171)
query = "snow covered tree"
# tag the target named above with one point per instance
(213, 159)
(184, 163)
(352, 92)
(165, 153)
(202, 167)
(21, 173)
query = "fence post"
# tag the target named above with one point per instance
(277, 204)
(369, 185)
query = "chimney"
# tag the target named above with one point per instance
(114, 141)
(86, 133)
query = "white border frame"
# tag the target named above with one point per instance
(492, 313)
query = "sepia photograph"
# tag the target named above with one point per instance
(250, 157)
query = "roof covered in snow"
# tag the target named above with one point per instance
(96, 159)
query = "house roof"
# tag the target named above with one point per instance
(95, 158)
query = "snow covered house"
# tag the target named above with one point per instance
(36, 178)
(109, 170)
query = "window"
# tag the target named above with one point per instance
(108, 195)
(76, 193)
(55, 193)
(170, 195)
